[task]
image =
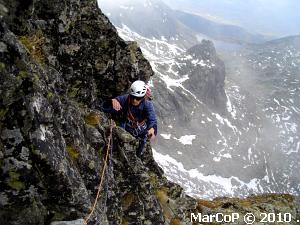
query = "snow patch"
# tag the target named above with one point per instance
(126, 7)
(217, 159)
(227, 155)
(294, 150)
(225, 121)
(230, 107)
(173, 82)
(166, 136)
(186, 139)
(171, 165)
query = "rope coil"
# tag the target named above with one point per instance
(102, 175)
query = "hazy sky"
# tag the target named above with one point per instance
(270, 17)
(276, 17)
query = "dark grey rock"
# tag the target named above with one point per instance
(3, 47)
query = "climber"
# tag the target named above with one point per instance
(138, 115)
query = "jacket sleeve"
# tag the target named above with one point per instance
(151, 117)
(107, 105)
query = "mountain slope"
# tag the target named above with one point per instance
(154, 19)
(272, 69)
(217, 31)
(216, 142)
(255, 146)
(150, 18)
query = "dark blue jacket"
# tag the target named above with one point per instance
(144, 110)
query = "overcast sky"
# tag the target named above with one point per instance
(270, 17)
(275, 17)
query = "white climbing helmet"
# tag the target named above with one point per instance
(138, 88)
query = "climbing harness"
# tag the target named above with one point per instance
(136, 127)
(133, 122)
(109, 147)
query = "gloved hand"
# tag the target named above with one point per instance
(116, 104)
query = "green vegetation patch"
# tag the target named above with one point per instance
(2, 66)
(13, 180)
(153, 180)
(163, 199)
(22, 75)
(92, 119)
(20, 64)
(124, 221)
(50, 95)
(3, 113)
(73, 92)
(74, 89)
(133, 46)
(72, 151)
(175, 222)
(34, 45)
(209, 204)
(127, 200)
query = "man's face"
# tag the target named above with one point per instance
(136, 100)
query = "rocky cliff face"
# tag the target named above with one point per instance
(209, 83)
(76, 40)
(59, 59)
